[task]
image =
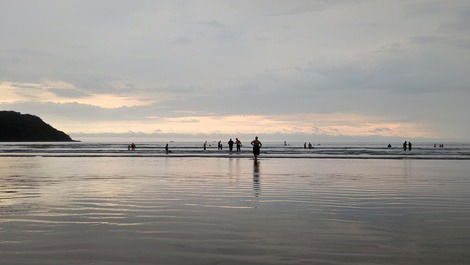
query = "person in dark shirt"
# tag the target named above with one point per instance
(230, 145)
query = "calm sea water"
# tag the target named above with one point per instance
(270, 149)
(202, 210)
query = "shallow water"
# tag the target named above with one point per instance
(138, 210)
(459, 151)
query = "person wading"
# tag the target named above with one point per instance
(256, 147)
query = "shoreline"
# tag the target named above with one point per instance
(251, 157)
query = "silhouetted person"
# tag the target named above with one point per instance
(434, 145)
(404, 146)
(256, 147)
(409, 146)
(230, 145)
(133, 147)
(305, 145)
(219, 145)
(389, 146)
(285, 143)
(128, 147)
(309, 145)
(239, 144)
(204, 146)
(166, 148)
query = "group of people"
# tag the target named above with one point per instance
(407, 145)
(131, 147)
(230, 143)
(238, 144)
(256, 143)
(309, 145)
(440, 146)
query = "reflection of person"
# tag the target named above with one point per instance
(256, 147)
(239, 144)
(256, 184)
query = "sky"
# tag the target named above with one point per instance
(200, 69)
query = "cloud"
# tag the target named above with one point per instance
(403, 62)
(60, 92)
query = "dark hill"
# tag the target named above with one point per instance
(15, 126)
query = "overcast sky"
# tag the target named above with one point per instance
(287, 68)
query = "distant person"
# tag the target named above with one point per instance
(404, 146)
(285, 143)
(389, 146)
(309, 145)
(239, 144)
(133, 147)
(256, 147)
(305, 145)
(230, 145)
(434, 145)
(128, 147)
(167, 150)
(205, 145)
(219, 145)
(409, 146)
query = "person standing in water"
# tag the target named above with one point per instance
(409, 146)
(166, 148)
(230, 145)
(204, 146)
(256, 147)
(404, 146)
(219, 145)
(309, 145)
(305, 145)
(239, 144)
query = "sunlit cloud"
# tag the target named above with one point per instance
(46, 91)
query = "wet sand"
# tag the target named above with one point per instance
(136, 210)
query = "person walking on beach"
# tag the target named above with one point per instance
(133, 147)
(167, 149)
(256, 147)
(204, 146)
(409, 146)
(239, 144)
(219, 145)
(230, 145)
(404, 146)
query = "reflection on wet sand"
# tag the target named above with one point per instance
(256, 175)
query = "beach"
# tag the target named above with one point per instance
(222, 210)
